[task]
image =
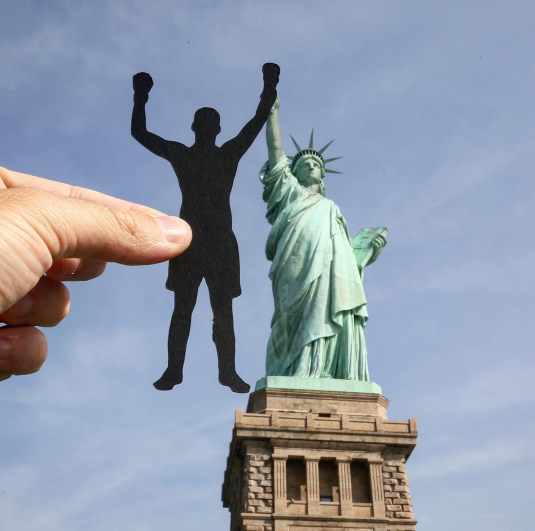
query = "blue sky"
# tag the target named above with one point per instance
(433, 109)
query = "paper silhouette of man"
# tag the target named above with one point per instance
(205, 175)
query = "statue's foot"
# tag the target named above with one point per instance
(236, 384)
(168, 381)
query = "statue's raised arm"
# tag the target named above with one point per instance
(273, 136)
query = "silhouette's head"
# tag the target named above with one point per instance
(206, 123)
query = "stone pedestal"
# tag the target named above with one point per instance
(304, 460)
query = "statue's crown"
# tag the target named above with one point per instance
(310, 151)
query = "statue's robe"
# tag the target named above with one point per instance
(320, 307)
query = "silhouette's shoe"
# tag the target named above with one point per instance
(236, 384)
(168, 381)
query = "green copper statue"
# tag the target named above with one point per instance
(317, 330)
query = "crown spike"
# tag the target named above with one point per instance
(297, 146)
(330, 160)
(311, 143)
(325, 147)
(332, 171)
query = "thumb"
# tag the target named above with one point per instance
(38, 227)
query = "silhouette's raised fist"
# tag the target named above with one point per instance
(142, 82)
(271, 73)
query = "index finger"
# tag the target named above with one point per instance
(13, 179)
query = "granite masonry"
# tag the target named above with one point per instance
(317, 460)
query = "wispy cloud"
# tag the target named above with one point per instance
(494, 388)
(493, 454)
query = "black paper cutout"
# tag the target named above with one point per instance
(205, 175)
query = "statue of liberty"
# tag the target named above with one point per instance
(317, 330)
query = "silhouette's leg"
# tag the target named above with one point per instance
(223, 336)
(185, 300)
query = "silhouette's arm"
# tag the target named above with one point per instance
(242, 142)
(158, 145)
(274, 137)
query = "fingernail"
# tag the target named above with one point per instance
(23, 308)
(69, 267)
(173, 229)
(5, 349)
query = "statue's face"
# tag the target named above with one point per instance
(309, 171)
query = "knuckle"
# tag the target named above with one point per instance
(76, 192)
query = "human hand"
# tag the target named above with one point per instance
(52, 232)
(142, 83)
